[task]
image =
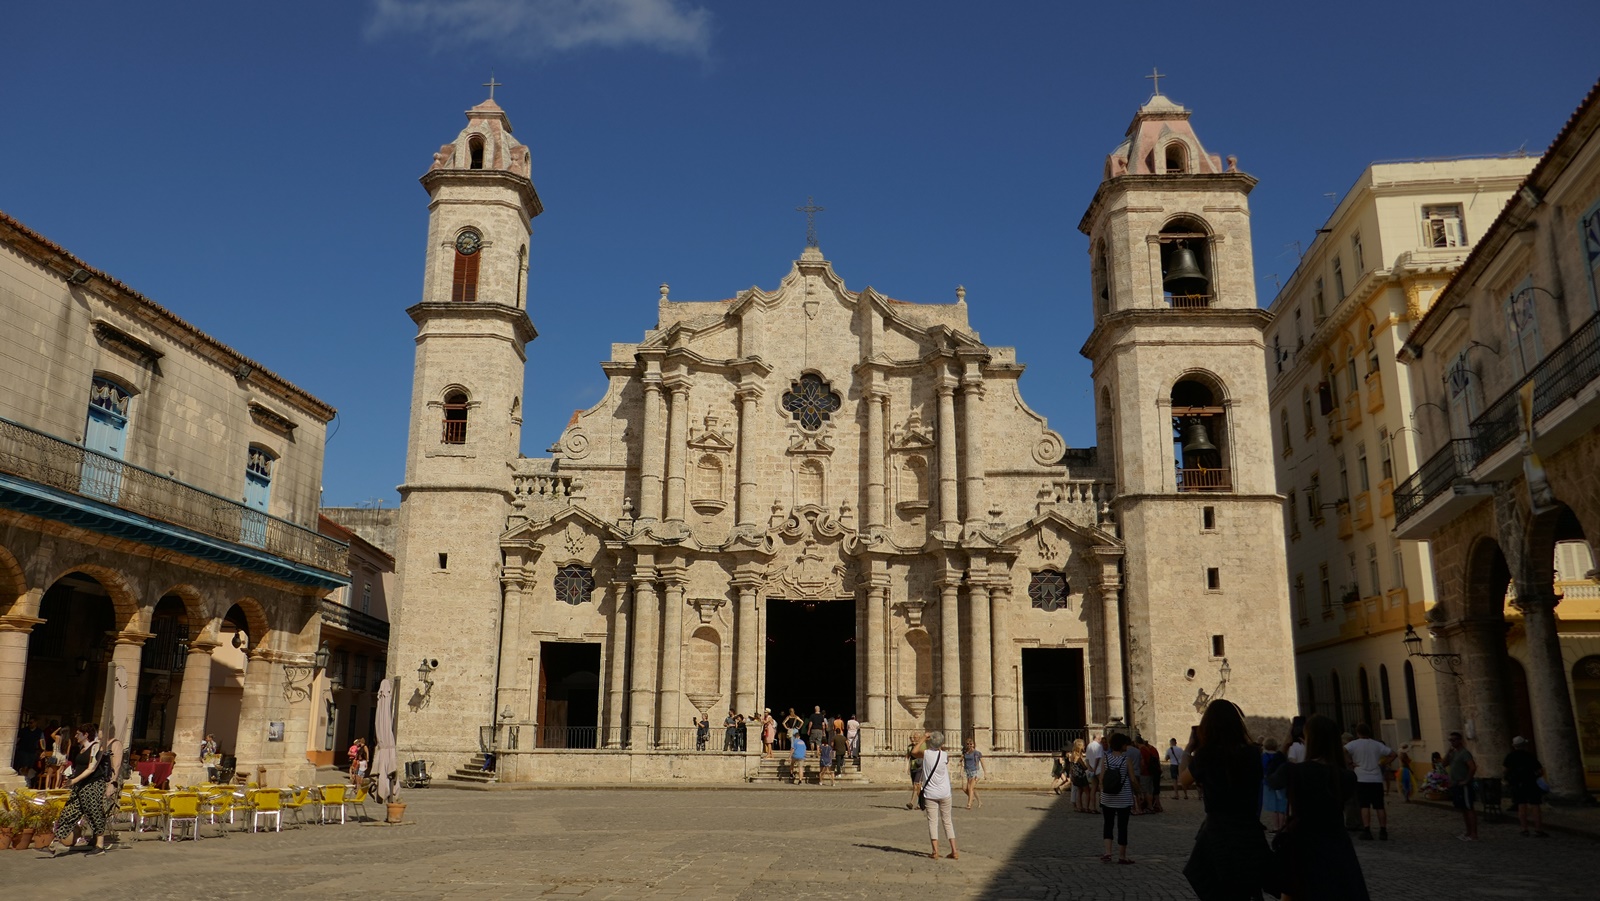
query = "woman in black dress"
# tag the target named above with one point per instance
(1315, 860)
(1230, 851)
(88, 798)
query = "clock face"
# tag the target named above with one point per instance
(468, 242)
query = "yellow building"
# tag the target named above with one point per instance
(1344, 433)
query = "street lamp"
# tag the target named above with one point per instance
(1441, 663)
(321, 658)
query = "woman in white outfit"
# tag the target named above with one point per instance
(936, 794)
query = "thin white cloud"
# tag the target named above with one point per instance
(540, 27)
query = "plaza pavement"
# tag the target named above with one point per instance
(788, 842)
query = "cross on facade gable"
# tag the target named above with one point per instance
(491, 84)
(811, 210)
(1155, 77)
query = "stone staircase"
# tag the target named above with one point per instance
(473, 772)
(775, 771)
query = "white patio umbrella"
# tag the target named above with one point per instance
(384, 762)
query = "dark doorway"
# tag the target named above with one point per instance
(569, 694)
(811, 657)
(1052, 697)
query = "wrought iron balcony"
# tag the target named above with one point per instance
(1205, 480)
(1560, 375)
(354, 621)
(52, 462)
(1189, 301)
(1453, 463)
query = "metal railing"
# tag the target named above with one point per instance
(1205, 480)
(1453, 462)
(569, 736)
(1560, 375)
(336, 614)
(47, 460)
(1189, 301)
(1035, 741)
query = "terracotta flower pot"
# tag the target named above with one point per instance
(42, 839)
(397, 812)
(5, 838)
(21, 840)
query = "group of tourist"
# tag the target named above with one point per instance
(1077, 769)
(829, 740)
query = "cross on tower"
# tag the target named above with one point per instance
(1156, 76)
(811, 210)
(491, 84)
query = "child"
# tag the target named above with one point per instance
(826, 762)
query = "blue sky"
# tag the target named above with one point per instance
(253, 166)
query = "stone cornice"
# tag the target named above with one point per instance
(1111, 327)
(522, 185)
(427, 310)
(1122, 184)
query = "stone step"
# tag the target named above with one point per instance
(775, 770)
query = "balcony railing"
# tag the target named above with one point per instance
(1189, 301)
(46, 460)
(351, 620)
(1205, 480)
(1559, 376)
(1453, 462)
(1035, 741)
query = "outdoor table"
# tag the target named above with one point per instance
(153, 772)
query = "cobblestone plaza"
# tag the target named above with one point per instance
(793, 842)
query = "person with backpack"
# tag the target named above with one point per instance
(1116, 774)
(91, 771)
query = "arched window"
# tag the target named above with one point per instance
(1177, 157)
(1186, 277)
(1383, 692)
(1048, 589)
(1200, 437)
(475, 152)
(257, 495)
(1101, 279)
(1411, 701)
(1338, 700)
(455, 418)
(811, 401)
(574, 584)
(1311, 696)
(105, 433)
(1364, 688)
(464, 281)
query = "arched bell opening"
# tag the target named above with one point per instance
(1187, 279)
(1200, 437)
(1100, 279)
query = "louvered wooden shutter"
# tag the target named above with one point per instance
(464, 284)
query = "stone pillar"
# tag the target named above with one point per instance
(127, 652)
(981, 690)
(189, 730)
(646, 623)
(949, 519)
(254, 703)
(875, 454)
(748, 509)
(677, 446)
(14, 632)
(749, 639)
(972, 431)
(617, 664)
(1000, 657)
(1555, 730)
(1484, 691)
(671, 696)
(950, 657)
(511, 693)
(1116, 703)
(877, 687)
(652, 451)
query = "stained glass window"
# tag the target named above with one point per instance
(811, 402)
(1048, 589)
(574, 584)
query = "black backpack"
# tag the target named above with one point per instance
(1112, 784)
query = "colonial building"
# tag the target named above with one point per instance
(1345, 433)
(160, 566)
(1507, 364)
(814, 495)
(355, 630)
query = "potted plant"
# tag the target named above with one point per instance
(8, 826)
(395, 807)
(43, 829)
(26, 826)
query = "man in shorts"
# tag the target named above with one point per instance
(1152, 775)
(1462, 769)
(1092, 756)
(1370, 757)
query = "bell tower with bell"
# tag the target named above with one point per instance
(1183, 415)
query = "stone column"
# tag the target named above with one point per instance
(127, 653)
(972, 431)
(646, 622)
(949, 519)
(1116, 703)
(652, 446)
(617, 665)
(511, 693)
(1555, 730)
(1485, 701)
(981, 690)
(251, 742)
(1000, 656)
(950, 656)
(875, 453)
(671, 696)
(877, 686)
(14, 632)
(189, 730)
(677, 445)
(749, 639)
(748, 509)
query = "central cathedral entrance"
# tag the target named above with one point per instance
(811, 657)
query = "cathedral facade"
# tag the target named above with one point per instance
(818, 496)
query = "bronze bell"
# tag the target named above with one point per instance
(1195, 439)
(1184, 275)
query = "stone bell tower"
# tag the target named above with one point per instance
(1182, 410)
(465, 428)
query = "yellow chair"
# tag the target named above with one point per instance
(148, 808)
(332, 797)
(359, 800)
(298, 803)
(183, 807)
(214, 807)
(268, 803)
